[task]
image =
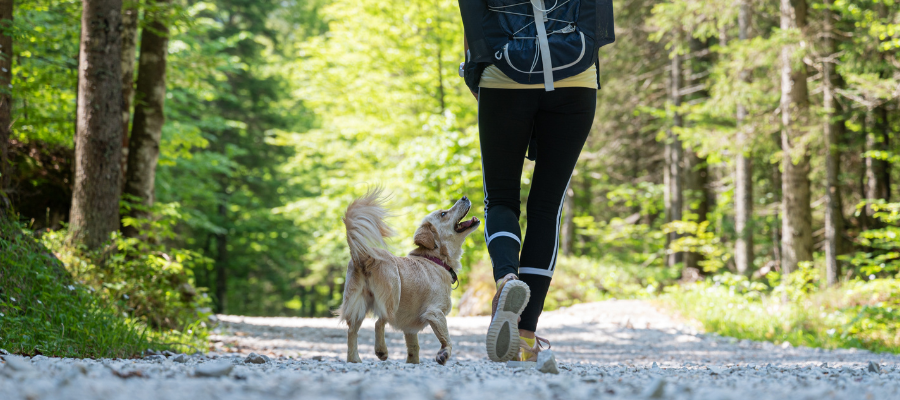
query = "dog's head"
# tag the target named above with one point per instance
(444, 231)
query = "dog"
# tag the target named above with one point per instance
(409, 292)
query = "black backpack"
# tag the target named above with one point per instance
(504, 33)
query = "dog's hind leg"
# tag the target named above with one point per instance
(412, 347)
(352, 336)
(439, 326)
(380, 346)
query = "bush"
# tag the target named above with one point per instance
(860, 314)
(144, 279)
(43, 311)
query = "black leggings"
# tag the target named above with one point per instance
(560, 122)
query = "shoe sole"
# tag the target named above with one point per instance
(503, 333)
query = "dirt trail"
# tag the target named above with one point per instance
(611, 349)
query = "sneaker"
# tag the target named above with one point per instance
(503, 333)
(527, 356)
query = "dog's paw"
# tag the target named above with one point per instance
(412, 359)
(442, 356)
(353, 359)
(381, 354)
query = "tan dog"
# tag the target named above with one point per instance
(407, 292)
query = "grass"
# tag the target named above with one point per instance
(859, 314)
(43, 311)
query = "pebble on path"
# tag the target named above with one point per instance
(214, 369)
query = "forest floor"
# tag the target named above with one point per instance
(611, 349)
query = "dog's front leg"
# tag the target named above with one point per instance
(439, 325)
(380, 345)
(412, 347)
(352, 336)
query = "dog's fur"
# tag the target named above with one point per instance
(406, 292)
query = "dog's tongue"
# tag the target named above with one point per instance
(466, 224)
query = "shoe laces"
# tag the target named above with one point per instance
(533, 351)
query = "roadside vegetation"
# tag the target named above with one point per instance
(119, 301)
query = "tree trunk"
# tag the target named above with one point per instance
(877, 185)
(834, 218)
(796, 236)
(674, 154)
(129, 44)
(221, 262)
(149, 117)
(696, 169)
(696, 181)
(743, 179)
(6, 19)
(568, 228)
(98, 140)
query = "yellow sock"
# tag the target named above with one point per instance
(530, 342)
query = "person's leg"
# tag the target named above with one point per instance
(505, 120)
(561, 126)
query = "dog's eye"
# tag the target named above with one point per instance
(443, 213)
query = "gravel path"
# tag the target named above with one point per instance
(612, 349)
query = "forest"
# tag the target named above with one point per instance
(178, 158)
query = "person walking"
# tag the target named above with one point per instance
(544, 114)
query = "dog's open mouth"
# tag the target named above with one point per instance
(462, 226)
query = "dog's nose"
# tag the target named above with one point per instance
(465, 198)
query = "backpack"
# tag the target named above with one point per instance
(534, 41)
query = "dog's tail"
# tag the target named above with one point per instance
(366, 228)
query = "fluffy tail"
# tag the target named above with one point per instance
(366, 231)
(366, 228)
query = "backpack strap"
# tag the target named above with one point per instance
(540, 16)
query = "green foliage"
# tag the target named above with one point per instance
(151, 283)
(861, 314)
(881, 256)
(45, 71)
(44, 311)
(695, 238)
(583, 279)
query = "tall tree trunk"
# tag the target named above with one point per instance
(129, 44)
(696, 169)
(6, 19)
(149, 116)
(568, 228)
(98, 140)
(834, 218)
(743, 179)
(796, 236)
(221, 262)
(674, 154)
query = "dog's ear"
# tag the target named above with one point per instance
(425, 236)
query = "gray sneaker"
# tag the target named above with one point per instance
(503, 333)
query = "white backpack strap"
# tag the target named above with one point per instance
(539, 18)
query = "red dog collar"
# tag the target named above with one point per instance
(440, 262)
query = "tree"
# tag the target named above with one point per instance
(674, 158)
(833, 130)
(796, 238)
(743, 174)
(98, 135)
(877, 130)
(6, 18)
(149, 115)
(130, 21)
(696, 168)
